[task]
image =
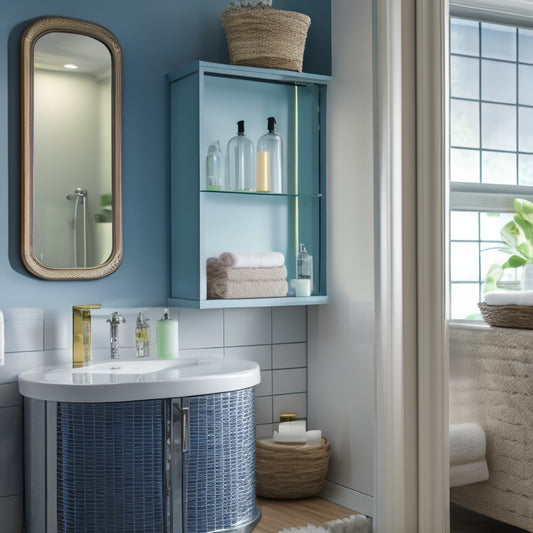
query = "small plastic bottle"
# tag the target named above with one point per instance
(304, 267)
(214, 168)
(269, 160)
(240, 161)
(142, 336)
(167, 337)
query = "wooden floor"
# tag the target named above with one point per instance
(281, 514)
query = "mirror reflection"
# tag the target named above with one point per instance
(72, 162)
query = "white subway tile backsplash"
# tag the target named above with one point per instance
(289, 381)
(9, 395)
(11, 451)
(262, 355)
(24, 335)
(23, 313)
(264, 431)
(247, 327)
(263, 410)
(289, 403)
(265, 387)
(201, 328)
(58, 329)
(289, 355)
(289, 324)
(11, 511)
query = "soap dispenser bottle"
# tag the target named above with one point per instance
(304, 267)
(214, 168)
(240, 161)
(167, 337)
(269, 160)
(142, 336)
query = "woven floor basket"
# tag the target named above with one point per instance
(507, 316)
(288, 472)
(266, 37)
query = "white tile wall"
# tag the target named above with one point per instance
(247, 327)
(289, 324)
(11, 458)
(289, 355)
(274, 338)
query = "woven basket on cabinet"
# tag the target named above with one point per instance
(266, 37)
(290, 471)
(507, 316)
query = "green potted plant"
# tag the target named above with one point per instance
(517, 243)
(260, 36)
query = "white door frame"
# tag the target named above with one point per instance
(411, 485)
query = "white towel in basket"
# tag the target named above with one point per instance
(467, 443)
(508, 298)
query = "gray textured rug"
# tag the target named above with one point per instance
(357, 523)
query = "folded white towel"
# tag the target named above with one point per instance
(2, 341)
(467, 443)
(508, 298)
(246, 289)
(215, 269)
(468, 473)
(252, 259)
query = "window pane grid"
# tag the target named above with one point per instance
(491, 147)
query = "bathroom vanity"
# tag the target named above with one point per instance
(147, 446)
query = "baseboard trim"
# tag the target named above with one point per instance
(362, 503)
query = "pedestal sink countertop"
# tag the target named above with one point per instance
(124, 380)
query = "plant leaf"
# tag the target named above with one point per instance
(515, 261)
(524, 208)
(510, 234)
(493, 276)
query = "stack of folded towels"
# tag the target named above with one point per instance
(467, 454)
(246, 275)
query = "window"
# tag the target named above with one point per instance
(491, 149)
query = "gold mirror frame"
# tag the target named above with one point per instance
(29, 38)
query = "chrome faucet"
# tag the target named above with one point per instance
(114, 320)
(81, 334)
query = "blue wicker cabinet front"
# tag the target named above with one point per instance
(115, 466)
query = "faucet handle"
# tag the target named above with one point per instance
(116, 319)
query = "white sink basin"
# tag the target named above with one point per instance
(119, 381)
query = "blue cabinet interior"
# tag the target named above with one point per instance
(207, 100)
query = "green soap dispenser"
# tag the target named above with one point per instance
(167, 337)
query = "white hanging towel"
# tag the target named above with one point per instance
(2, 343)
(467, 443)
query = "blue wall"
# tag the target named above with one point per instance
(156, 37)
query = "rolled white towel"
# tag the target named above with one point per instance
(469, 473)
(252, 259)
(508, 298)
(467, 443)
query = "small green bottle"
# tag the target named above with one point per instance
(167, 337)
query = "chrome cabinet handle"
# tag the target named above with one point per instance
(185, 429)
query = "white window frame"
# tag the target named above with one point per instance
(486, 197)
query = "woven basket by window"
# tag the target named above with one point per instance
(507, 316)
(266, 37)
(287, 471)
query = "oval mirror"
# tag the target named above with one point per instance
(71, 150)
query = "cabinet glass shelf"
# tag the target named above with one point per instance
(262, 193)
(207, 101)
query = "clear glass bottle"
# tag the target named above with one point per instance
(269, 160)
(214, 168)
(304, 267)
(240, 161)
(142, 336)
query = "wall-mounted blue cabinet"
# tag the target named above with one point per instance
(207, 101)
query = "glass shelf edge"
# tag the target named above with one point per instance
(258, 193)
(250, 302)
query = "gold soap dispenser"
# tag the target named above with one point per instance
(81, 334)
(142, 336)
